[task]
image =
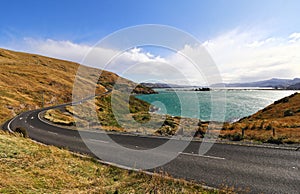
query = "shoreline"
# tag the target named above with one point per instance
(192, 89)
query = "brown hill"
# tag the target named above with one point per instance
(287, 108)
(279, 122)
(28, 81)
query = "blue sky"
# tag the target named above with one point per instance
(32, 25)
(84, 21)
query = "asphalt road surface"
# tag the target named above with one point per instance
(246, 168)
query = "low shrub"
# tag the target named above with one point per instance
(236, 137)
(288, 141)
(166, 131)
(232, 137)
(267, 108)
(21, 131)
(277, 141)
(269, 127)
(253, 127)
(142, 117)
(170, 122)
(288, 113)
(199, 133)
(283, 100)
(262, 125)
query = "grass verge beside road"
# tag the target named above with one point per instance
(28, 167)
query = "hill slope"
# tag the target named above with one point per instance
(287, 108)
(280, 120)
(27, 81)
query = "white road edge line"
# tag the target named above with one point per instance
(9, 123)
(97, 140)
(204, 156)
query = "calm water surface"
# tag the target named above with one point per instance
(238, 103)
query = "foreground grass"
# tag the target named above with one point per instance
(28, 167)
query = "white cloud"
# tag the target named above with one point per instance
(246, 56)
(256, 43)
(294, 37)
(239, 55)
(58, 49)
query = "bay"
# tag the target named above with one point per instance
(236, 103)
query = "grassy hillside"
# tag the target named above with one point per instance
(29, 81)
(277, 123)
(26, 80)
(27, 167)
(139, 119)
(105, 115)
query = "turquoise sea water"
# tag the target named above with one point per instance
(237, 103)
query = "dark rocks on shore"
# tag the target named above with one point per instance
(153, 108)
(143, 90)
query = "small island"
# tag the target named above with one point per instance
(202, 89)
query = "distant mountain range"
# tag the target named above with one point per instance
(294, 87)
(164, 85)
(274, 83)
(293, 84)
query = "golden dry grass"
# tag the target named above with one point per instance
(272, 119)
(137, 119)
(27, 167)
(56, 116)
(25, 79)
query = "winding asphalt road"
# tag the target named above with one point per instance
(246, 168)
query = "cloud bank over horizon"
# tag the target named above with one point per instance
(244, 56)
(241, 56)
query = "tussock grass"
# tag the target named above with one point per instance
(136, 119)
(28, 167)
(56, 116)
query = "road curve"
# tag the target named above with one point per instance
(246, 168)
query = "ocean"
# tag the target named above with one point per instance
(218, 105)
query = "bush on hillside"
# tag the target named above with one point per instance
(232, 137)
(277, 141)
(269, 127)
(288, 113)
